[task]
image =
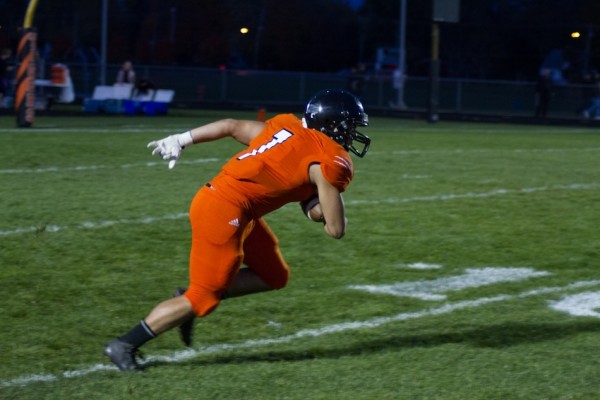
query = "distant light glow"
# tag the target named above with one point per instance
(575, 35)
(244, 30)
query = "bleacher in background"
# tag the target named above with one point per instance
(124, 98)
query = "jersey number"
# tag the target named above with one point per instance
(278, 138)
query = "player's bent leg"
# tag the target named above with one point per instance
(123, 350)
(246, 282)
(263, 256)
(216, 253)
(186, 329)
(209, 281)
(169, 314)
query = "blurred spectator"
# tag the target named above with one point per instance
(592, 111)
(543, 90)
(126, 74)
(356, 80)
(398, 79)
(144, 87)
(5, 74)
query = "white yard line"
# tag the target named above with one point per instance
(498, 150)
(471, 195)
(140, 128)
(78, 168)
(184, 355)
(435, 289)
(95, 225)
(204, 160)
(440, 197)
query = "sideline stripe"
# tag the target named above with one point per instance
(301, 334)
(99, 167)
(441, 197)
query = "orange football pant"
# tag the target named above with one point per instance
(224, 237)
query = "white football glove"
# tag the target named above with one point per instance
(170, 147)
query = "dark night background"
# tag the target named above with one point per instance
(495, 39)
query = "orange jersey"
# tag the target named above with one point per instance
(273, 170)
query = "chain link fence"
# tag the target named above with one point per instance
(197, 87)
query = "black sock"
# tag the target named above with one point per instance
(138, 335)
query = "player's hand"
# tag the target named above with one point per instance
(170, 147)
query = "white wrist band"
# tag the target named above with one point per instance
(185, 139)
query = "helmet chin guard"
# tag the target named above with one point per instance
(364, 140)
(337, 113)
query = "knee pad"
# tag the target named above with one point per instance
(203, 301)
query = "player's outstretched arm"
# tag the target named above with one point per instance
(170, 147)
(241, 130)
(330, 202)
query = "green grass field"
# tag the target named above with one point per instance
(470, 269)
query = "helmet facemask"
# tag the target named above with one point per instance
(345, 133)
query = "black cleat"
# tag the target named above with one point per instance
(122, 355)
(186, 330)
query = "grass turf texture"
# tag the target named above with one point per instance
(93, 235)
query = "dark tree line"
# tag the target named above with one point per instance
(495, 39)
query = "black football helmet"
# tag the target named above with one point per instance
(337, 113)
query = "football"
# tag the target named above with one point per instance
(315, 214)
(312, 209)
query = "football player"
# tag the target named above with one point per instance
(287, 159)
